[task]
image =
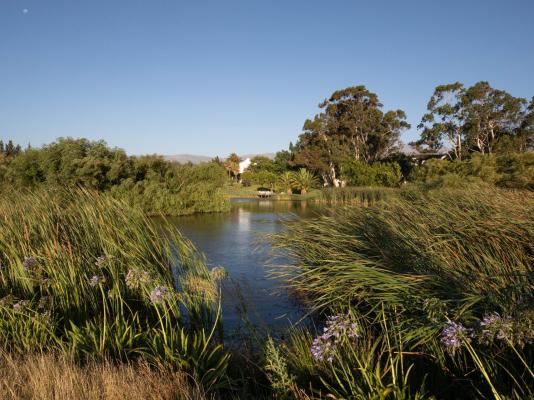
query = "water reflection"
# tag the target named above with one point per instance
(236, 241)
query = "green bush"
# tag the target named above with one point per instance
(357, 173)
(149, 182)
(261, 177)
(511, 170)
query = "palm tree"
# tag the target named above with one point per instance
(232, 165)
(286, 181)
(304, 180)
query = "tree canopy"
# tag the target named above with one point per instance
(476, 119)
(351, 126)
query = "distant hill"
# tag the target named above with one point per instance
(268, 155)
(185, 158)
(196, 159)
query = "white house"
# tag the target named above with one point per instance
(243, 165)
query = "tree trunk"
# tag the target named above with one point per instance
(333, 177)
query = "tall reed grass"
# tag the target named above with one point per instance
(89, 277)
(450, 273)
(354, 195)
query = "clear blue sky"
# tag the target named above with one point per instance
(211, 77)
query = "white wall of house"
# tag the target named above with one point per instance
(243, 165)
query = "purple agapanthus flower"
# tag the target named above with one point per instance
(336, 329)
(454, 335)
(136, 278)
(96, 280)
(158, 294)
(29, 262)
(493, 325)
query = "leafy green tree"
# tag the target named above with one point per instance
(354, 114)
(262, 177)
(445, 118)
(525, 137)
(352, 126)
(261, 163)
(357, 173)
(319, 152)
(490, 115)
(474, 119)
(282, 161)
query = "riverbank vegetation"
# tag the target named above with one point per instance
(88, 278)
(150, 182)
(418, 284)
(424, 295)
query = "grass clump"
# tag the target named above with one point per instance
(51, 377)
(354, 195)
(91, 278)
(439, 285)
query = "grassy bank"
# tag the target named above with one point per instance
(423, 295)
(51, 377)
(91, 278)
(147, 182)
(419, 294)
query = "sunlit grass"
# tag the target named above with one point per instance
(89, 277)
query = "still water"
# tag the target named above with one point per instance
(236, 241)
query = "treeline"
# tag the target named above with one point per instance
(158, 186)
(354, 142)
(9, 149)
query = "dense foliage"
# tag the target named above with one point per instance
(514, 171)
(351, 127)
(158, 186)
(477, 119)
(427, 295)
(89, 277)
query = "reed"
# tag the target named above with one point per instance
(354, 195)
(90, 277)
(450, 270)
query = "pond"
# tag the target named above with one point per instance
(236, 241)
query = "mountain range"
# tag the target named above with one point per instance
(196, 159)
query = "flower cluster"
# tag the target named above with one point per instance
(158, 294)
(338, 328)
(29, 262)
(137, 278)
(494, 326)
(454, 335)
(96, 280)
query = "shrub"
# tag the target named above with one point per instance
(304, 180)
(150, 182)
(357, 173)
